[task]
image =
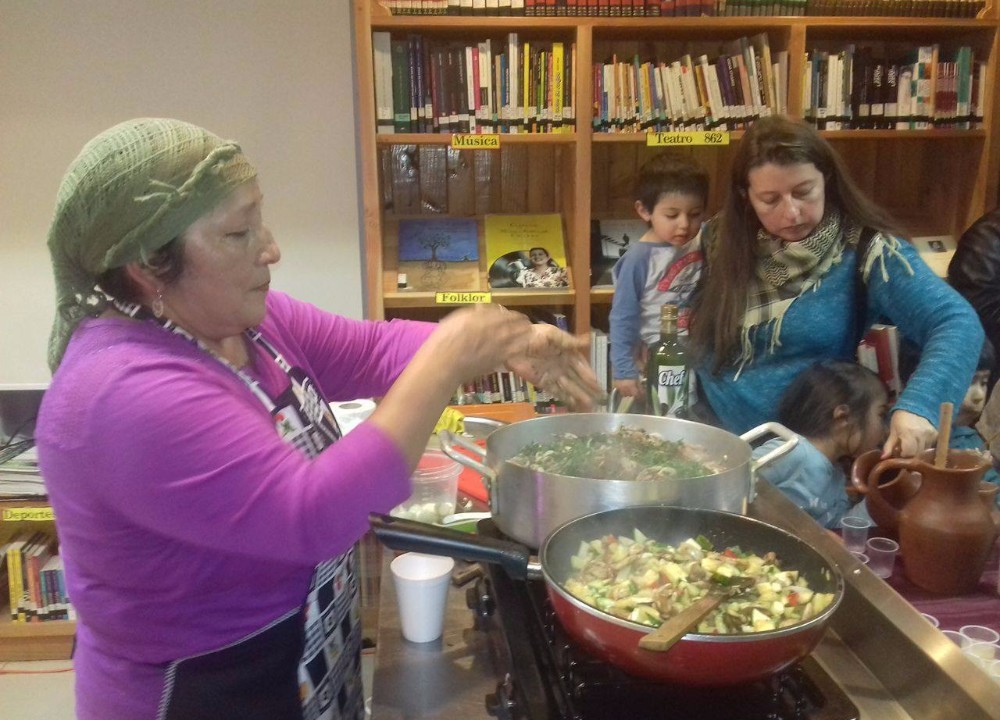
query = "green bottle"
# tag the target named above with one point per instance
(667, 371)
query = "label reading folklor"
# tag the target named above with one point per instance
(672, 390)
(462, 298)
(698, 137)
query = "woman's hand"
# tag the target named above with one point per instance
(628, 388)
(552, 360)
(909, 433)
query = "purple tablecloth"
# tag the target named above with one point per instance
(981, 607)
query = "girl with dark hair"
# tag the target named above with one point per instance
(784, 287)
(838, 410)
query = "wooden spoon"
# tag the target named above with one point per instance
(944, 435)
(662, 638)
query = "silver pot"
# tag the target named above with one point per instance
(527, 504)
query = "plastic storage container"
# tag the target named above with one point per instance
(435, 487)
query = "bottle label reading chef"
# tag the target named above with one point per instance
(672, 387)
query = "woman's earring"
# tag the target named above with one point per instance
(157, 304)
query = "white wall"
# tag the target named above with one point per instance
(276, 76)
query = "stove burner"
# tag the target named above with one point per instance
(546, 676)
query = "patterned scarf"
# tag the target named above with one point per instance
(785, 271)
(784, 274)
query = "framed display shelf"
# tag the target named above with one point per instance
(934, 181)
(49, 640)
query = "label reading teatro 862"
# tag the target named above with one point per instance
(462, 298)
(489, 141)
(697, 137)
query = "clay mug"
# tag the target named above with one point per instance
(945, 530)
(896, 486)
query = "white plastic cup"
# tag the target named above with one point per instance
(422, 594)
(982, 653)
(854, 530)
(993, 670)
(881, 555)
(978, 633)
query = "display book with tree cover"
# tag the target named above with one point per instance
(439, 253)
(526, 251)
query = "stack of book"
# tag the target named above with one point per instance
(685, 8)
(19, 476)
(927, 88)
(33, 575)
(429, 85)
(691, 92)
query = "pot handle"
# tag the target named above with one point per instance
(448, 442)
(790, 438)
(411, 536)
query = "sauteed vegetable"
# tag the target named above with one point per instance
(647, 582)
(625, 454)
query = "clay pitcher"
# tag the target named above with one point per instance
(896, 486)
(945, 531)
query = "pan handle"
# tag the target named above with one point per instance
(773, 428)
(411, 536)
(790, 438)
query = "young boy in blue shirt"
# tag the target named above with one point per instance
(662, 267)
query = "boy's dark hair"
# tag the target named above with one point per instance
(670, 173)
(808, 403)
(987, 357)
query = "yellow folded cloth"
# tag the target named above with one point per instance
(451, 419)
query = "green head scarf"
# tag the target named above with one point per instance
(132, 189)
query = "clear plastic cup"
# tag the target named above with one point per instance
(881, 555)
(983, 652)
(979, 633)
(854, 531)
(954, 635)
(931, 619)
(435, 489)
(860, 557)
(993, 670)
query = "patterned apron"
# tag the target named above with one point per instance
(307, 663)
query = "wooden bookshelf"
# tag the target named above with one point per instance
(936, 182)
(50, 640)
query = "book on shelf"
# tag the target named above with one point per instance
(690, 92)
(31, 573)
(439, 253)
(509, 239)
(19, 474)
(609, 239)
(382, 61)
(474, 86)
(878, 350)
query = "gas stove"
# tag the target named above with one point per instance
(544, 675)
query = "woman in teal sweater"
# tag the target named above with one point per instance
(783, 288)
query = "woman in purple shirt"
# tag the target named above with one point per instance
(207, 505)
